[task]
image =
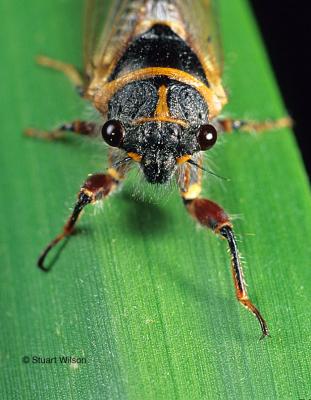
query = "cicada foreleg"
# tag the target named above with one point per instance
(79, 81)
(97, 187)
(83, 128)
(69, 70)
(229, 125)
(212, 216)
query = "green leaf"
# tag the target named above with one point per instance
(141, 293)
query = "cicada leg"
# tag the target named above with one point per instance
(96, 187)
(212, 216)
(69, 70)
(83, 128)
(229, 125)
(80, 127)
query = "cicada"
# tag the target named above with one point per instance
(153, 71)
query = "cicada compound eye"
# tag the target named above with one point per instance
(113, 133)
(207, 136)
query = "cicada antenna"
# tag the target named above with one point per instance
(207, 170)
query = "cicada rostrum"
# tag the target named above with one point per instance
(153, 71)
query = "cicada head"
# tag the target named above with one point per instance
(159, 130)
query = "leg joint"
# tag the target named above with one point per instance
(208, 213)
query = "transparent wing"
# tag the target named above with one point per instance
(110, 26)
(96, 13)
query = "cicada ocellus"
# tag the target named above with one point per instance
(153, 71)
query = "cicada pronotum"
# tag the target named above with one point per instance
(153, 71)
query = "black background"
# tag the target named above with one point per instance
(285, 27)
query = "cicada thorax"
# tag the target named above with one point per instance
(161, 93)
(163, 50)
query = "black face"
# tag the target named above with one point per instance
(158, 144)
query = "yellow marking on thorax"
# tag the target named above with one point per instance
(102, 91)
(162, 109)
(162, 112)
(160, 119)
(176, 26)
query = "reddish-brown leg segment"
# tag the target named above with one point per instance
(209, 214)
(83, 128)
(95, 188)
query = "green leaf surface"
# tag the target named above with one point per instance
(141, 292)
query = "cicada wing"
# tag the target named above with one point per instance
(108, 27)
(111, 27)
(95, 19)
